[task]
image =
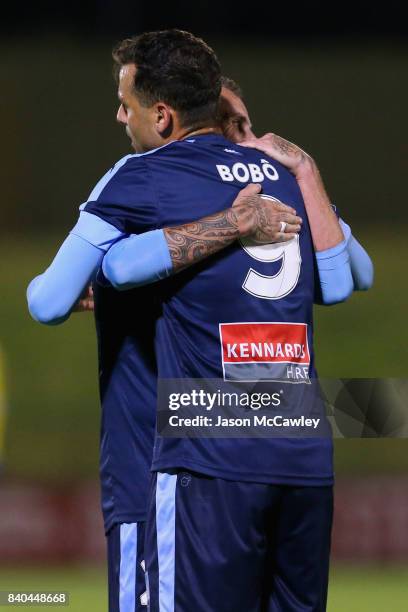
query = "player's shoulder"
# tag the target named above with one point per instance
(127, 172)
(137, 163)
(130, 162)
(127, 176)
(262, 158)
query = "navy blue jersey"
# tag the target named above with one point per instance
(243, 314)
(125, 324)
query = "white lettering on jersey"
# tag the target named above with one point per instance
(256, 350)
(232, 350)
(248, 172)
(269, 170)
(297, 372)
(241, 172)
(224, 172)
(284, 281)
(265, 351)
(256, 173)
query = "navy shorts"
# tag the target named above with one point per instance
(126, 568)
(214, 545)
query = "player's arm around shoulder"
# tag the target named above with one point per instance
(343, 267)
(53, 295)
(146, 258)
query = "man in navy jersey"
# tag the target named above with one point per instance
(128, 371)
(209, 545)
(126, 201)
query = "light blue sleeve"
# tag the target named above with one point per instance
(336, 280)
(52, 295)
(141, 259)
(138, 260)
(362, 268)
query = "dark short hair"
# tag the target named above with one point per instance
(174, 67)
(232, 85)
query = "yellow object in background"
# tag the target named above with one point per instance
(2, 406)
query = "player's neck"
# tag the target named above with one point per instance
(196, 132)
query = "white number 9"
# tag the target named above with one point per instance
(285, 280)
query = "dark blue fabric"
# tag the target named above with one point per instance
(245, 546)
(125, 324)
(176, 184)
(198, 300)
(127, 199)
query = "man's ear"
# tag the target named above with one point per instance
(164, 120)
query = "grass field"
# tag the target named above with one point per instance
(352, 589)
(364, 589)
(86, 586)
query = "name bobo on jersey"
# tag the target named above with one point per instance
(245, 173)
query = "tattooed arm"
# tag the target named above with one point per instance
(324, 224)
(250, 215)
(146, 258)
(332, 237)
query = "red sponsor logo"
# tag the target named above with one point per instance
(264, 343)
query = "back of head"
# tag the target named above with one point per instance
(177, 68)
(232, 85)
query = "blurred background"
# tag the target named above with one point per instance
(331, 78)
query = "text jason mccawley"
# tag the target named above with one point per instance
(253, 401)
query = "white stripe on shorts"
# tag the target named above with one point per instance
(166, 533)
(127, 572)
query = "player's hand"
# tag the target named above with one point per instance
(261, 218)
(288, 154)
(86, 301)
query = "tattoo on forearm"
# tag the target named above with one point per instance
(287, 148)
(195, 241)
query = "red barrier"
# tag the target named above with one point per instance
(40, 524)
(48, 525)
(371, 519)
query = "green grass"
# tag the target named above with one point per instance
(352, 589)
(51, 375)
(367, 337)
(87, 587)
(367, 589)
